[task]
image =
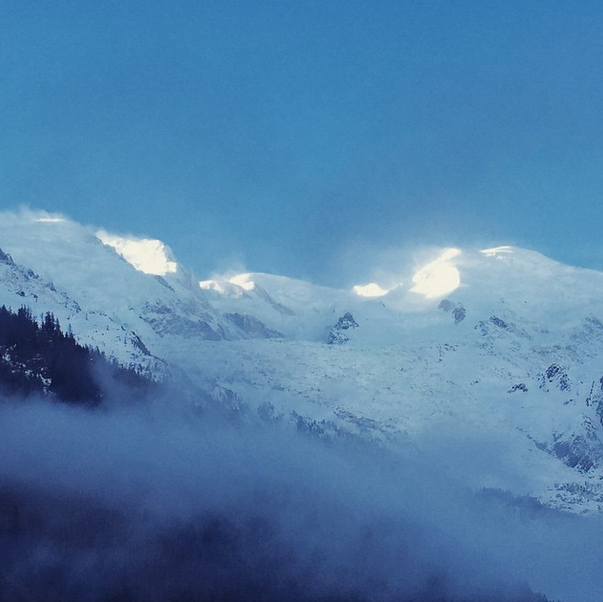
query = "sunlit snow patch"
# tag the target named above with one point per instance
(496, 251)
(439, 277)
(145, 254)
(211, 285)
(370, 290)
(244, 281)
(223, 287)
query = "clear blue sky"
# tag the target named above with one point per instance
(289, 136)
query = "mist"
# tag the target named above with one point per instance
(145, 504)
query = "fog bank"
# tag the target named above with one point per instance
(136, 505)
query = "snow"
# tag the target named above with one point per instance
(244, 281)
(147, 255)
(495, 251)
(221, 286)
(370, 290)
(411, 371)
(438, 278)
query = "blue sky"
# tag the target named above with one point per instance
(309, 138)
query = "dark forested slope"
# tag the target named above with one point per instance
(41, 358)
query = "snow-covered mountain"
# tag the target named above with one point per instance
(494, 354)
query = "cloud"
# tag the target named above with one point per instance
(25, 214)
(147, 504)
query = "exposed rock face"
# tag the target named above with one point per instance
(499, 322)
(575, 453)
(458, 311)
(5, 257)
(595, 398)
(556, 376)
(165, 320)
(591, 330)
(252, 326)
(337, 334)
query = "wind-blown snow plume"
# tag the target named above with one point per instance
(147, 255)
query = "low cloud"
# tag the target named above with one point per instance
(144, 504)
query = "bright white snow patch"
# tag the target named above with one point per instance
(145, 254)
(244, 281)
(211, 285)
(223, 287)
(439, 277)
(370, 290)
(495, 251)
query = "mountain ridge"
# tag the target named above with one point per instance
(502, 341)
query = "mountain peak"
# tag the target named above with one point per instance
(150, 256)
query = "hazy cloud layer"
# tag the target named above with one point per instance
(141, 504)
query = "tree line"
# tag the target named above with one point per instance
(40, 358)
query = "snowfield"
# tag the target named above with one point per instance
(496, 350)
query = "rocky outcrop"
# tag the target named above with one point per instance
(252, 327)
(575, 453)
(165, 320)
(555, 376)
(5, 257)
(595, 398)
(458, 311)
(337, 334)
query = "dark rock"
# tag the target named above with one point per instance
(164, 320)
(459, 313)
(252, 326)
(445, 305)
(574, 453)
(6, 258)
(337, 334)
(498, 322)
(555, 374)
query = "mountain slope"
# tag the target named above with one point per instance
(497, 351)
(441, 440)
(42, 360)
